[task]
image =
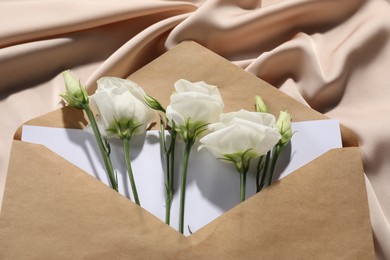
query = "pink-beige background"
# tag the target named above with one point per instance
(332, 55)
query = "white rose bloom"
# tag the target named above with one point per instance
(252, 133)
(121, 107)
(194, 105)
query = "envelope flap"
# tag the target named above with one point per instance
(318, 212)
(193, 62)
(52, 208)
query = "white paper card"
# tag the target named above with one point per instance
(213, 186)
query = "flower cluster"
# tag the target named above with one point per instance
(195, 113)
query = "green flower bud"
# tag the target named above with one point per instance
(154, 103)
(284, 125)
(76, 94)
(260, 105)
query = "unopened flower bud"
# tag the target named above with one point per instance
(260, 105)
(284, 125)
(76, 94)
(154, 103)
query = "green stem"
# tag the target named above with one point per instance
(126, 147)
(166, 159)
(242, 184)
(183, 184)
(169, 188)
(103, 149)
(262, 181)
(170, 175)
(168, 198)
(275, 156)
(168, 206)
(169, 155)
(259, 168)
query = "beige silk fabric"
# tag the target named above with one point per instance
(332, 55)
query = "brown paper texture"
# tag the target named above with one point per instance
(53, 210)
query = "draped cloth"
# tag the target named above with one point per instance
(331, 55)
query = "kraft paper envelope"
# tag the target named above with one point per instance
(53, 210)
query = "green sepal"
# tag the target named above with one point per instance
(241, 159)
(190, 131)
(123, 128)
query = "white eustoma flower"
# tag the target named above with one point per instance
(193, 106)
(121, 106)
(241, 136)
